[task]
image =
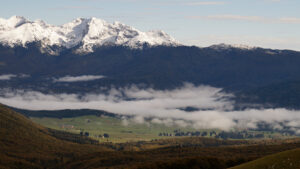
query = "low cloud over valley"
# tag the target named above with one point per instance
(78, 78)
(211, 107)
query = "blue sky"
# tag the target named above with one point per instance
(265, 23)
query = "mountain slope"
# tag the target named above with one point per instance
(160, 66)
(24, 144)
(285, 160)
(284, 94)
(82, 33)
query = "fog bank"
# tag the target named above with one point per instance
(213, 107)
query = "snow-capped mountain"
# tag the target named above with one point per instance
(82, 33)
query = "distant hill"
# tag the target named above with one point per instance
(285, 160)
(24, 144)
(63, 113)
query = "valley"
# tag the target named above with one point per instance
(38, 147)
(128, 130)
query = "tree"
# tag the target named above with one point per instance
(105, 135)
(87, 134)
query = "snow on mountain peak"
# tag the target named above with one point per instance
(16, 21)
(82, 32)
(223, 46)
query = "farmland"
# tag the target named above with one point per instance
(130, 130)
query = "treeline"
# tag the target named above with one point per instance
(87, 134)
(239, 135)
(76, 138)
(222, 135)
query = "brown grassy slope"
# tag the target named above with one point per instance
(183, 157)
(24, 144)
(284, 160)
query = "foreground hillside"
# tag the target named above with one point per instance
(185, 156)
(284, 160)
(24, 144)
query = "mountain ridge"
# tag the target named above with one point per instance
(83, 33)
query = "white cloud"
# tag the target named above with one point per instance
(290, 20)
(161, 106)
(281, 20)
(78, 78)
(139, 119)
(231, 17)
(23, 76)
(10, 76)
(75, 8)
(125, 121)
(205, 3)
(7, 76)
(237, 17)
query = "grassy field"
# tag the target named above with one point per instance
(119, 130)
(115, 127)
